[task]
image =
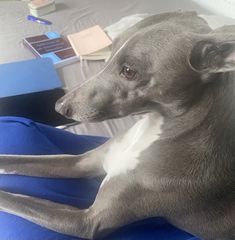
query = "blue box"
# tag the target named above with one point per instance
(30, 89)
(28, 76)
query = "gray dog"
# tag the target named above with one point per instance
(178, 162)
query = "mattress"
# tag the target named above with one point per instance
(73, 16)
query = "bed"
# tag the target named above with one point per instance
(71, 16)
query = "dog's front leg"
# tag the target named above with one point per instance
(111, 209)
(89, 164)
(58, 217)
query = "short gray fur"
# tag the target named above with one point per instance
(185, 72)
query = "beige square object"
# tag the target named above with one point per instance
(41, 7)
(40, 3)
(89, 40)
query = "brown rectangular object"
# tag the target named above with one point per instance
(89, 40)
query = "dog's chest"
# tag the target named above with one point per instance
(123, 155)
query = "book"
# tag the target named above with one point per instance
(30, 89)
(102, 54)
(41, 7)
(52, 45)
(92, 43)
(28, 76)
(38, 106)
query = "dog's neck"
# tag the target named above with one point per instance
(216, 106)
(222, 113)
(175, 126)
(208, 131)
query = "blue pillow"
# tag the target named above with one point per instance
(23, 136)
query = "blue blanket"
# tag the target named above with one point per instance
(23, 136)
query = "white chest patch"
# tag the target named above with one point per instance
(124, 155)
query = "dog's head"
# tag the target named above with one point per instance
(161, 64)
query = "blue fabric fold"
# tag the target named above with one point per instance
(24, 136)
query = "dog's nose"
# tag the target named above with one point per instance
(63, 108)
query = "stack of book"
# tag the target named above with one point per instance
(91, 44)
(30, 89)
(52, 45)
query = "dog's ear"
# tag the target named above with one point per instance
(209, 56)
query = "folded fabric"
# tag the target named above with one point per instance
(23, 136)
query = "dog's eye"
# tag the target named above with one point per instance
(128, 73)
